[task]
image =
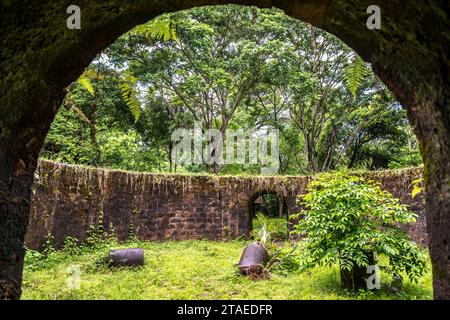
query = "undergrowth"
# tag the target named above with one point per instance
(196, 269)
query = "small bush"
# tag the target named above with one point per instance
(346, 220)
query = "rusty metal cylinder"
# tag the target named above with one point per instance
(253, 255)
(126, 257)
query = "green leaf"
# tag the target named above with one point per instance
(416, 190)
(129, 95)
(86, 83)
(159, 28)
(417, 187)
(355, 74)
(85, 80)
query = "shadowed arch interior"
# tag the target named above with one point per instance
(282, 210)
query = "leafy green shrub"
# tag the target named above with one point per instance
(97, 241)
(72, 246)
(284, 260)
(34, 259)
(346, 220)
(94, 236)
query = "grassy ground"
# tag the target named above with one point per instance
(185, 270)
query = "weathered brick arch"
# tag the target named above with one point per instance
(40, 57)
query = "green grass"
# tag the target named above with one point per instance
(186, 270)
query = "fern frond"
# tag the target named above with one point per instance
(87, 84)
(129, 95)
(160, 28)
(85, 80)
(355, 74)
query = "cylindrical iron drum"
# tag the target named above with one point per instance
(126, 257)
(254, 254)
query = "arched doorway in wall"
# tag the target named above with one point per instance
(270, 208)
(36, 75)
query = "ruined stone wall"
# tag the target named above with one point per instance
(68, 199)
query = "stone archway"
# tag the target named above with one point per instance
(40, 57)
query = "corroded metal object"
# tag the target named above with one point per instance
(253, 255)
(126, 257)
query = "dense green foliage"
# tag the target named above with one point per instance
(347, 219)
(185, 270)
(231, 67)
(239, 68)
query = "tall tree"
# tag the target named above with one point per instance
(210, 69)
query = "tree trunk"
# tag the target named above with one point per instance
(436, 157)
(356, 279)
(310, 155)
(431, 123)
(427, 101)
(94, 142)
(14, 208)
(18, 160)
(24, 123)
(170, 148)
(280, 207)
(93, 128)
(438, 225)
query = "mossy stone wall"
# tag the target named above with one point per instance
(69, 200)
